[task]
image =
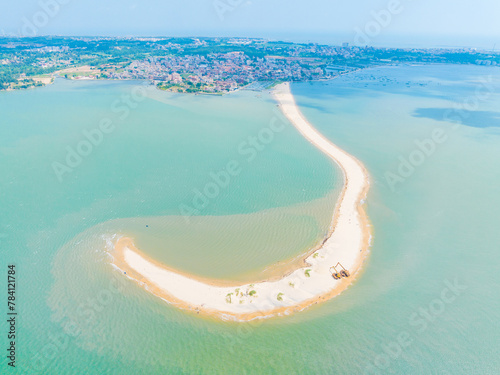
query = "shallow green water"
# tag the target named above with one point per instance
(218, 186)
(78, 316)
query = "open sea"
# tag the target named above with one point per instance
(224, 187)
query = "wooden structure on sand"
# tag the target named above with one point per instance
(338, 275)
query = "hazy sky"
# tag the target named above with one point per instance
(432, 22)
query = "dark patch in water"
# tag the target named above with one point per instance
(475, 119)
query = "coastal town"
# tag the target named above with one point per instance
(202, 65)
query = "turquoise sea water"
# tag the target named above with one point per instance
(434, 226)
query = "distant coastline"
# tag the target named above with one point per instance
(346, 243)
(204, 65)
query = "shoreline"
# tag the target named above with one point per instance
(57, 74)
(347, 242)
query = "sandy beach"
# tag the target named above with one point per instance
(347, 242)
(44, 80)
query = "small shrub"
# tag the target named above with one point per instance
(306, 272)
(280, 297)
(252, 292)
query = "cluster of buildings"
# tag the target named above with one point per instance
(223, 71)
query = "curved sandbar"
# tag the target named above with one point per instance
(346, 243)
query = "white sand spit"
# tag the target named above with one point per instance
(347, 243)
